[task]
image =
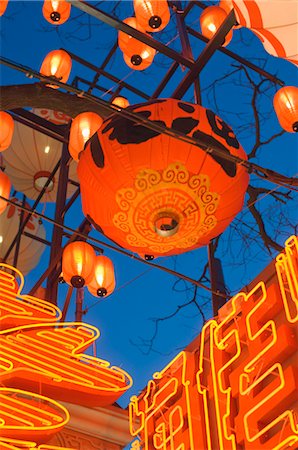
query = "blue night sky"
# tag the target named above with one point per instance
(144, 293)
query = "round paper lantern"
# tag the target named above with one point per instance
(135, 52)
(31, 158)
(82, 128)
(211, 19)
(57, 64)
(5, 187)
(30, 249)
(140, 64)
(103, 281)
(56, 11)
(227, 5)
(152, 15)
(286, 107)
(78, 262)
(3, 6)
(154, 194)
(6, 130)
(120, 101)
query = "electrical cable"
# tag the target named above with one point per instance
(261, 172)
(117, 249)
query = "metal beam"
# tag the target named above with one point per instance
(121, 26)
(239, 58)
(108, 75)
(84, 227)
(103, 66)
(39, 124)
(205, 56)
(27, 218)
(52, 283)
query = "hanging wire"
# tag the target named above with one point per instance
(259, 171)
(113, 247)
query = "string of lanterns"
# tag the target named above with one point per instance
(80, 264)
(81, 267)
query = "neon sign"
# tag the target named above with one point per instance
(41, 360)
(238, 388)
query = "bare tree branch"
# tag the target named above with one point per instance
(38, 95)
(268, 241)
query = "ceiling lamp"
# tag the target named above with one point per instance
(6, 130)
(82, 128)
(57, 64)
(286, 107)
(211, 19)
(5, 187)
(152, 15)
(30, 160)
(3, 6)
(56, 11)
(30, 250)
(122, 102)
(137, 55)
(103, 282)
(78, 262)
(157, 195)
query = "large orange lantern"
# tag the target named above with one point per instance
(3, 6)
(155, 194)
(135, 52)
(78, 262)
(103, 281)
(286, 107)
(5, 187)
(57, 64)
(82, 128)
(6, 130)
(56, 11)
(211, 19)
(152, 15)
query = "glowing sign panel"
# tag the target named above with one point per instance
(38, 357)
(238, 389)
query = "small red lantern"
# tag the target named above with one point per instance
(157, 195)
(6, 130)
(122, 102)
(137, 55)
(103, 282)
(57, 64)
(56, 11)
(140, 63)
(286, 107)
(82, 128)
(152, 15)
(5, 187)
(3, 6)
(211, 19)
(78, 261)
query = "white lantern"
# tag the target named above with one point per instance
(31, 158)
(30, 249)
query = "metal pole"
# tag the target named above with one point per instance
(216, 279)
(18, 243)
(79, 304)
(52, 284)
